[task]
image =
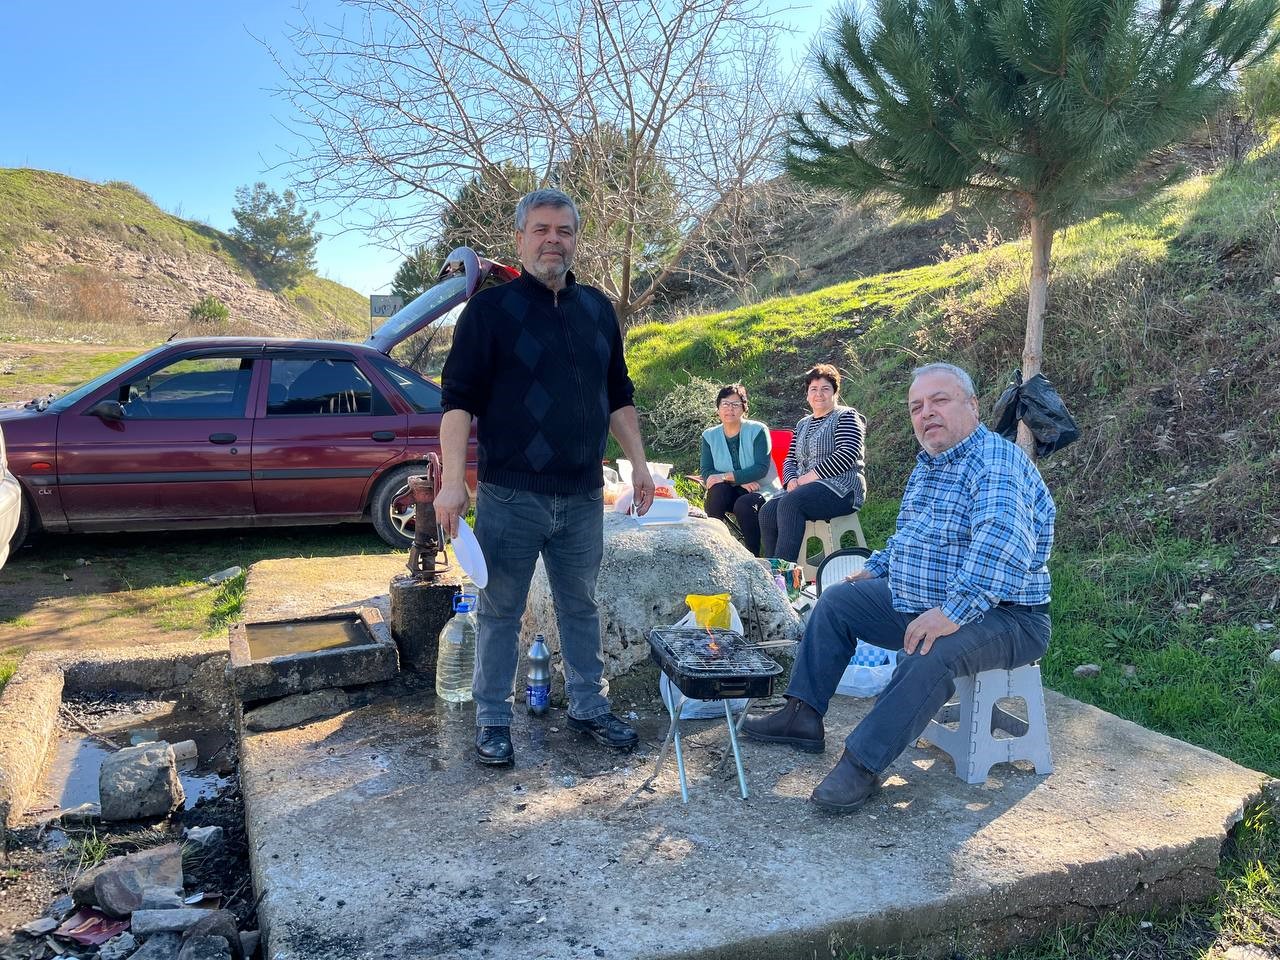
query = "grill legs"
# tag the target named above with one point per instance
(673, 737)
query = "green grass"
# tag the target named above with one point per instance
(58, 372)
(8, 667)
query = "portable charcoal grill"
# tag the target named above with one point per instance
(709, 664)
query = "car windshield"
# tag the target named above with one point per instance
(58, 404)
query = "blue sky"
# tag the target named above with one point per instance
(176, 99)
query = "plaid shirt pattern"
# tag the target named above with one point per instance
(975, 530)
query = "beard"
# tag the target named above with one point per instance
(552, 272)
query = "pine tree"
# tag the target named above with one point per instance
(1039, 104)
(416, 274)
(278, 234)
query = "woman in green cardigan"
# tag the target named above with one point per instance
(737, 470)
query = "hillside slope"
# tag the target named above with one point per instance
(102, 263)
(1162, 334)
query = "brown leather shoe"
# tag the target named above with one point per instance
(797, 725)
(847, 787)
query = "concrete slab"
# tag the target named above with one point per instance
(374, 835)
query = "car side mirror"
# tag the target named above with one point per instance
(108, 410)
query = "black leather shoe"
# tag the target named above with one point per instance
(607, 729)
(847, 787)
(493, 746)
(797, 725)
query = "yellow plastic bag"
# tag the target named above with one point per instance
(710, 610)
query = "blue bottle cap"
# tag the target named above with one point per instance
(464, 602)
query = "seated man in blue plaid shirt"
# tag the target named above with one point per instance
(962, 586)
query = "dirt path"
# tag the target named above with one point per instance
(81, 608)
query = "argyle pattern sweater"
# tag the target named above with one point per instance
(542, 372)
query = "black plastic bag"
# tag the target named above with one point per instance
(1038, 405)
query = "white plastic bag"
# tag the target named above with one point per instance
(700, 709)
(869, 671)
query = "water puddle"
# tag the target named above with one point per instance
(72, 777)
(268, 640)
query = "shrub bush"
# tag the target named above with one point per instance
(677, 421)
(209, 311)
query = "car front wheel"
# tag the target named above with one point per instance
(391, 508)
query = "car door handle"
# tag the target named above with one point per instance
(222, 439)
(383, 436)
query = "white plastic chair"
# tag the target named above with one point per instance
(829, 532)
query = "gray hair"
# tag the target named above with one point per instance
(546, 197)
(961, 375)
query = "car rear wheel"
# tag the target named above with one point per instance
(391, 508)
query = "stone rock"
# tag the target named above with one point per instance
(1130, 670)
(140, 781)
(155, 898)
(38, 928)
(122, 884)
(205, 948)
(1275, 656)
(296, 710)
(205, 836)
(645, 576)
(160, 946)
(218, 924)
(61, 908)
(1248, 952)
(185, 751)
(1087, 670)
(147, 922)
(249, 940)
(118, 948)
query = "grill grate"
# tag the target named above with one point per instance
(713, 653)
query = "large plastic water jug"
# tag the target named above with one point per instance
(456, 657)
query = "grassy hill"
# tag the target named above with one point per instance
(102, 263)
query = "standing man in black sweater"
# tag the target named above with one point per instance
(538, 361)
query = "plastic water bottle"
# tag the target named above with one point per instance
(538, 686)
(456, 657)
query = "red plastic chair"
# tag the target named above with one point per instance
(781, 441)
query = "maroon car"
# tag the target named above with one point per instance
(242, 431)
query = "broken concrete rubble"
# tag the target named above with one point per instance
(297, 709)
(205, 948)
(125, 878)
(139, 782)
(220, 925)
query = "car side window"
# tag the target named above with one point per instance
(321, 387)
(192, 388)
(422, 394)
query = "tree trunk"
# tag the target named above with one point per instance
(1032, 350)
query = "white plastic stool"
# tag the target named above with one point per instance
(830, 532)
(973, 745)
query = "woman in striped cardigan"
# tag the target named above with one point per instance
(824, 475)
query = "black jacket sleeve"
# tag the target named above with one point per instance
(621, 389)
(465, 380)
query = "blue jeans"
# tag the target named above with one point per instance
(513, 527)
(782, 519)
(1003, 638)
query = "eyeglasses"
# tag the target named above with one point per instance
(731, 404)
